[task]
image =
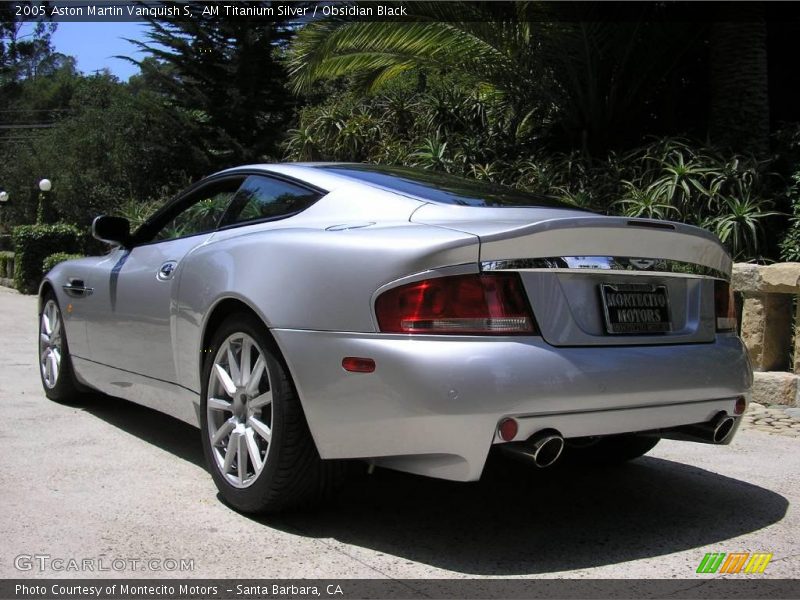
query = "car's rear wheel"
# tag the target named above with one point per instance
(611, 449)
(55, 366)
(255, 437)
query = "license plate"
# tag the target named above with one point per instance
(635, 308)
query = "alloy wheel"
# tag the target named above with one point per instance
(239, 410)
(50, 344)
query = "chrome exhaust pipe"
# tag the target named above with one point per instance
(543, 448)
(718, 430)
(723, 429)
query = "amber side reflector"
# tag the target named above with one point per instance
(354, 364)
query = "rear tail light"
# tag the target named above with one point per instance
(480, 304)
(724, 305)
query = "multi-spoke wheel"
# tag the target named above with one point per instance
(239, 410)
(55, 366)
(255, 437)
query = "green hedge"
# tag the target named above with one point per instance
(34, 243)
(59, 257)
(6, 264)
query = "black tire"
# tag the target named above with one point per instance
(293, 474)
(63, 388)
(610, 450)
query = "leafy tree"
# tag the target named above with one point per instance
(111, 144)
(225, 80)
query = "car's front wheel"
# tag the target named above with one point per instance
(255, 437)
(55, 366)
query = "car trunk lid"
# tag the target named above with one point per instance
(596, 280)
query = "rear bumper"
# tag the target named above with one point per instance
(433, 403)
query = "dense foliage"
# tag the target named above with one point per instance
(54, 259)
(6, 264)
(210, 95)
(34, 243)
(644, 113)
(455, 129)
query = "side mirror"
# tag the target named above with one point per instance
(112, 230)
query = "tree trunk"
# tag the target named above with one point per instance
(739, 111)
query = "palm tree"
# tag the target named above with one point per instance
(593, 77)
(739, 117)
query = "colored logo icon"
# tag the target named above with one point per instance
(734, 562)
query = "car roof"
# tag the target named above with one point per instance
(421, 184)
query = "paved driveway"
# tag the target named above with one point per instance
(110, 480)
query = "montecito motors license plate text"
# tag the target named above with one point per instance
(635, 308)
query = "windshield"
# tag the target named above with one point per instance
(443, 188)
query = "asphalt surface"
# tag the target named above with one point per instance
(109, 480)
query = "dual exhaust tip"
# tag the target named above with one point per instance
(545, 447)
(723, 427)
(719, 430)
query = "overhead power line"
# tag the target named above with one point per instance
(29, 126)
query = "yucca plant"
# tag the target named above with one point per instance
(303, 144)
(137, 212)
(681, 181)
(432, 154)
(740, 225)
(646, 202)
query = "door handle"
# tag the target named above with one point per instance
(77, 289)
(167, 270)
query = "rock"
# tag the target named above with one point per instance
(780, 278)
(766, 330)
(746, 278)
(775, 388)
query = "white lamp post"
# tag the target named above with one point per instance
(3, 200)
(45, 185)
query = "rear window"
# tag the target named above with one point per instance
(443, 188)
(263, 198)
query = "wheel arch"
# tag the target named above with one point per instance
(44, 288)
(218, 312)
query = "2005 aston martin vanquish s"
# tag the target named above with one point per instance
(305, 313)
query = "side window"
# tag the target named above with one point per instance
(267, 198)
(201, 212)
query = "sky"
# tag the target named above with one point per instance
(94, 45)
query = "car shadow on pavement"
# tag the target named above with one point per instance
(517, 520)
(156, 428)
(520, 520)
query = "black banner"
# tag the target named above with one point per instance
(363, 589)
(62, 11)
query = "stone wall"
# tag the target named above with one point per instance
(767, 328)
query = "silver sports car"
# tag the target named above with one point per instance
(305, 313)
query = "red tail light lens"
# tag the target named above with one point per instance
(725, 306)
(481, 304)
